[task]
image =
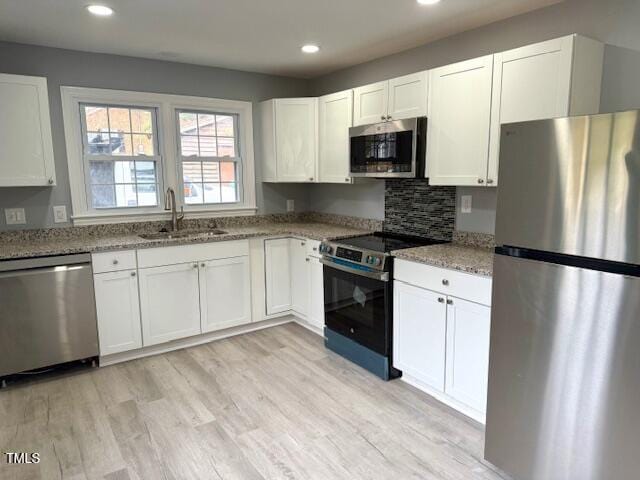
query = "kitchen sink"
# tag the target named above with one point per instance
(181, 234)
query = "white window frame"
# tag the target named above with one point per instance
(168, 144)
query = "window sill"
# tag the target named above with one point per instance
(128, 217)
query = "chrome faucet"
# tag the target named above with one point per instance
(170, 204)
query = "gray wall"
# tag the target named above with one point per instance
(67, 67)
(614, 22)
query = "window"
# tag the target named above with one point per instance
(125, 148)
(209, 157)
(120, 153)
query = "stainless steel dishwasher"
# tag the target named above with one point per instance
(47, 312)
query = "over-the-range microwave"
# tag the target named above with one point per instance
(393, 149)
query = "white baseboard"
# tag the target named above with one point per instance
(304, 323)
(444, 398)
(193, 341)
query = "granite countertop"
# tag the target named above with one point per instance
(455, 256)
(52, 246)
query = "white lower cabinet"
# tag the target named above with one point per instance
(169, 302)
(299, 276)
(419, 337)
(118, 311)
(441, 342)
(315, 315)
(225, 293)
(467, 369)
(278, 275)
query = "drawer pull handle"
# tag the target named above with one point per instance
(115, 261)
(440, 300)
(445, 281)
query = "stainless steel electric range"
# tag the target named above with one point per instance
(358, 298)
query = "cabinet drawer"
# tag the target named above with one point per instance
(155, 257)
(113, 261)
(474, 288)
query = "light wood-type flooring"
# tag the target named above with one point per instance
(269, 404)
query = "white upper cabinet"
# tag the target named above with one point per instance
(459, 115)
(550, 79)
(370, 103)
(395, 99)
(335, 119)
(408, 96)
(26, 149)
(289, 131)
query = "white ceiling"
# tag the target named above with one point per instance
(254, 35)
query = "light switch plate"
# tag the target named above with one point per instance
(465, 203)
(60, 214)
(15, 216)
(290, 206)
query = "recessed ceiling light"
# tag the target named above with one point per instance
(100, 10)
(310, 48)
(428, 2)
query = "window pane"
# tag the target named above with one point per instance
(228, 192)
(142, 144)
(228, 172)
(206, 124)
(126, 196)
(98, 143)
(224, 126)
(145, 172)
(188, 146)
(141, 121)
(193, 193)
(119, 120)
(103, 196)
(211, 171)
(124, 172)
(211, 193)
(101, 173)
(226, 147)
(147, 194)
(121, 144)
(192, 172)
(96, 118)
(188, 125)
(208, 147)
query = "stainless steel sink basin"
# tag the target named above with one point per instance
(180, 234)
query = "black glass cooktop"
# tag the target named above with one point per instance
(386, 242)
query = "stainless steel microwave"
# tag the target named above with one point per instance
(388, 150)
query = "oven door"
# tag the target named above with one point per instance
(357, 304)
(386, 150)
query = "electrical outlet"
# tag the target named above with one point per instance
(290, 206)
(15, 216)
(465, 203)
(60, 214)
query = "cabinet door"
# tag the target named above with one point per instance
(26, 148)
(468, 326)
(529, 83)
(278, 275)
(296, 139)
(370, 103)
(299, 276)
(419, 334)
(225, 293)
(459, 115)
(316, 292)
(335, 118)
(169, 302)
(408, 96)
(118, 310)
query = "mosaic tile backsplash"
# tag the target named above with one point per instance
(413, 207)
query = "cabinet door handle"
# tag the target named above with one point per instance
(306, 259)
(440, 299)
(315, 249)
(302, 244)
(195, 265)
(445, 281)
(383, 117)
(50, 181)
(203, 265)
(480, 180)
(388, 117)
(133, 274)
(311, 179)
(347, 180)
(449, 301)
(489, 181)
(115, 261)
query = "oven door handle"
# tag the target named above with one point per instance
(382, 276)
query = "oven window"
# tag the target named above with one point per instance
(358, 308)
(384, 152)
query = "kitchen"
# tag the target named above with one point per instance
(263, 262)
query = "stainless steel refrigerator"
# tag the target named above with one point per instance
(564, 381)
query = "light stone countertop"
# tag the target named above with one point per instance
(89, 244)
(455, 256)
